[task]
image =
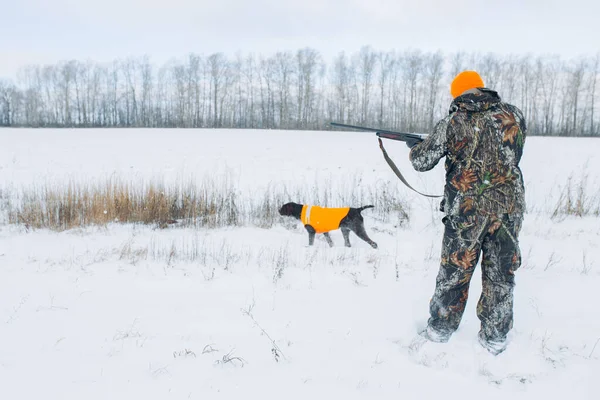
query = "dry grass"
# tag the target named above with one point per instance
(79, 205)
(217, 202)
(575, 200)
(211, 203)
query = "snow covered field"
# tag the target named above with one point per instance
(133, 312)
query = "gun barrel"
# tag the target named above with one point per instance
(398, 135)
(362, 128)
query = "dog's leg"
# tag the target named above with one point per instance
(359, 229)
(328, 238)
(311, 234)
(346, 234)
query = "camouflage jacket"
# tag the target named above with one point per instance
(482, 139)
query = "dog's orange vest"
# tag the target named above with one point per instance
(323, 219)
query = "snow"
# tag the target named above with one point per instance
(129, 311)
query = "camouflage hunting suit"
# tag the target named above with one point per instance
(482, 139)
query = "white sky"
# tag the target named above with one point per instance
(47, 31)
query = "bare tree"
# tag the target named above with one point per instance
(575, 82)
(284, 70)
(457, 63)
(413, 69)
(386, 63)
(433, 75)
(298, 90)
(307, 60)
(146, 75)
(367, 60)
(218, 68)
(594, 75)
(7, 97)
(490, 67)
(340, 80)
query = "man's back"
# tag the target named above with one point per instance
(483, 141)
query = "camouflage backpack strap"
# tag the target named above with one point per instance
(398, 173)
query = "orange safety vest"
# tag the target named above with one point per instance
(323, 219)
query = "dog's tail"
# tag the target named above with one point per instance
(365, 207)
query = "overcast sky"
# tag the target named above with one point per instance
(47, 31)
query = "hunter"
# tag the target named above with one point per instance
(482, 139)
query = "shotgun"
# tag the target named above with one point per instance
(383, 133)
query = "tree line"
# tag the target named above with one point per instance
(400, 90)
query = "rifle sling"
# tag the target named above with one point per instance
(397, 171)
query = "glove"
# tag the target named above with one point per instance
(412, 143)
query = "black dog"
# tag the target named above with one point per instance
(322, 220)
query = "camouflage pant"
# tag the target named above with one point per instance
(464, 239)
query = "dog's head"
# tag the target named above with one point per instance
(288, 209)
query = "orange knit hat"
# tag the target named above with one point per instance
(464, 81)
